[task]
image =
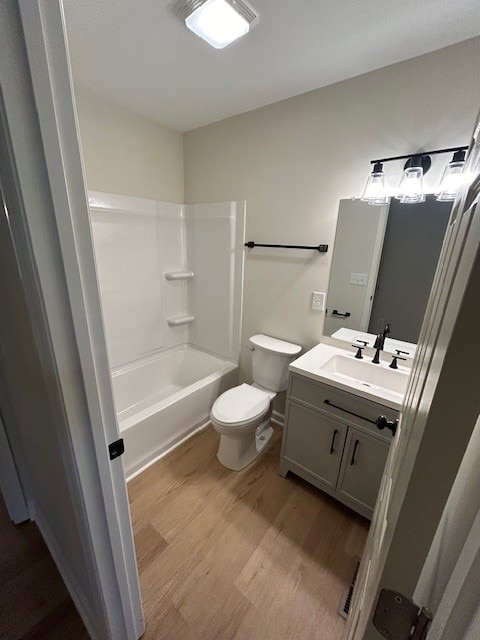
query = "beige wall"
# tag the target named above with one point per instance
(128, 154)
(292, 161)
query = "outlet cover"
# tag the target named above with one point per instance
(359, 279)
(318, 301)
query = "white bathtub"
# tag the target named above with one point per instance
(162, 399)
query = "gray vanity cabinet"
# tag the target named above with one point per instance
(330, 439)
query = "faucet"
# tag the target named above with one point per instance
(380, 343)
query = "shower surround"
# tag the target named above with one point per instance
(171, 281)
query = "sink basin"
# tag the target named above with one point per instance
(366, 373)
(339, 368)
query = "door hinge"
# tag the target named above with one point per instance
(116, 449)
(398, 618)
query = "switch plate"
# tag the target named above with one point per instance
(359, 279)
(318, 301)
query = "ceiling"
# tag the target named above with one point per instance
(139, 54)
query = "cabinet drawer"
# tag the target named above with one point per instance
(315, 442)
(362, 470)
(339, 404)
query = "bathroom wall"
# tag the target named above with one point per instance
(127, 153)
(294, 160)
(136, 241)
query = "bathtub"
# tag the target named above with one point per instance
(162, 399)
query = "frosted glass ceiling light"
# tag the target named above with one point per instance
(452, 179)
(410, 189)
(218, 22)
(374, 192)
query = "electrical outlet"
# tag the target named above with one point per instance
(318, 301)
(359, 278)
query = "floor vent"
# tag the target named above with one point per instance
(346, 600)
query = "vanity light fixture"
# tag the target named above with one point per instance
(375, 192)
(410, 189)
(453, 178)
(218, 22)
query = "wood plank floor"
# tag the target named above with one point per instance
(246, 555)
(34, 602)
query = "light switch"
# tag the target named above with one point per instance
(318, 301)
(359, 279)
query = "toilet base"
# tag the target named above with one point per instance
(236, 452)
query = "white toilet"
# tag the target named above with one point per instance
(242, 415)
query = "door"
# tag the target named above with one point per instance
(315, 442)
(458, 615)
(450, 580)
(50, 230)
(362, 469)
(456, 266)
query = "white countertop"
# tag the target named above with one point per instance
(311, 363)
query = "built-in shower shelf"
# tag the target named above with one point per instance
(179, 275)
(183, 318)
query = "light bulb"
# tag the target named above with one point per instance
(410, 189)
(453, 178)
(374, 192)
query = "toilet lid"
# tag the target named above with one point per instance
(240, 404)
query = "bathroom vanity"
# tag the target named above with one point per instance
(331, 438)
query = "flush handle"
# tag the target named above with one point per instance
(338, 314)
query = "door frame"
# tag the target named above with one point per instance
(51, 231)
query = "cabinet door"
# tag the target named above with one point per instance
(315, 442)
(362, 469)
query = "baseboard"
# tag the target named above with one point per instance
(278, 418)
(176, 444)
(75, 590)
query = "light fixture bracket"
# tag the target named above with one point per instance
(407, 156)
(421, 160)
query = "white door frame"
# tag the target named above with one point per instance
(82, 374)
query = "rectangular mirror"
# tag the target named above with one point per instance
(384, 261)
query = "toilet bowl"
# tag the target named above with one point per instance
(242, 415)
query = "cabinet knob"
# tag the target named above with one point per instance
(383, 423)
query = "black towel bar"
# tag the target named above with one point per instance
(322, 248)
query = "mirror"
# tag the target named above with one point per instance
(384, 262)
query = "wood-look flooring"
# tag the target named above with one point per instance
(246, 555)
(34, 602)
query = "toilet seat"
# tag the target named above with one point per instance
(239, 406)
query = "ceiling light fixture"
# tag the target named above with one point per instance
(218, 22)
(410, 189)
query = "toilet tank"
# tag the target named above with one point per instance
(270, 360)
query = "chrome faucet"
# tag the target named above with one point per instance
(380, 343)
